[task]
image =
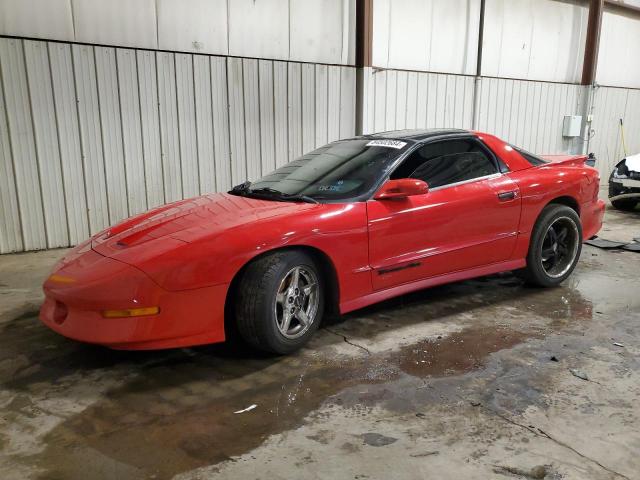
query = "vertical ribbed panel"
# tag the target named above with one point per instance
(111, 123)
(294, 93)
(281, 112)
(10, 229)
(64, 95)
(611, 105)
(187, 125)
(95, 134)
(399, 99)
(220, 110)
(530, 114)
(46, 142)
(236, 121)
(169, 133)
(90, 136)
(267, 116)
(131, 130)
(526, 113)
(250, 87)
(402, 80)
(150, 127)
(333, 101)
(22, 141)
(632, 122)
(308, 107)
(347, 105)
(204, 123)
(322, 86)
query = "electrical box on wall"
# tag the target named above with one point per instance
(572, 125)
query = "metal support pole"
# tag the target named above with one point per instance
(478, 78)
(364, 40)
(592, 43)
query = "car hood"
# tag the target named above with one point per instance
(185, 220)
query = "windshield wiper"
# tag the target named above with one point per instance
(241, 188)
(284, 196)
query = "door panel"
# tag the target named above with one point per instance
(448, 229)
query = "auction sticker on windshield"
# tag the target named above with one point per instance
(386, 143)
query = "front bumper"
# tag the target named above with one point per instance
(87, 283)
(623, 188)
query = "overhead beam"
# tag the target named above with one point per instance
(592, 43)
(622, 7)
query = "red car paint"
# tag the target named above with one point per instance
(183, 256)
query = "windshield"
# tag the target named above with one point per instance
(338, 171)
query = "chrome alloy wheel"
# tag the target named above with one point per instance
(559, 247)
(296, 302)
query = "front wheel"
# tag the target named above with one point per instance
(556, 243)
(280, 301)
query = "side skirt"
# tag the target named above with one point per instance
(381, 295)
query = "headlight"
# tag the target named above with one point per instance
(617, 175)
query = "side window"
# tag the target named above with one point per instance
(447, 162)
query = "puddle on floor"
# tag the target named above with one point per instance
(175, 411)
(182, 417)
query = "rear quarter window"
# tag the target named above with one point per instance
(530, 157)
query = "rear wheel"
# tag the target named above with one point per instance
(556, 243)
(280, 301)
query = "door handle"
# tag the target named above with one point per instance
(506, 196)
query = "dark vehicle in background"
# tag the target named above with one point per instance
(624, 183)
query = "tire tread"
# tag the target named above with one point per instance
(532, 273)
(252, 315)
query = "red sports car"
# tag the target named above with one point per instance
(347, 225)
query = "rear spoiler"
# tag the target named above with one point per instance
(574, 160)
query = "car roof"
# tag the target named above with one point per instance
(418, 135)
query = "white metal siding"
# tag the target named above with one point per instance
(426, 35)
(527, 39)
(37, 18)
(618, 59)
(321, 31)
(22, 144)
(534, 39)
(115, 22)
(192, 26)
(91, 135)
(530, 114)
(611, 105)
(397, 99)
(527, 113)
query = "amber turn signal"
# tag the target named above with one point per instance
(61, 279)
(131, 312)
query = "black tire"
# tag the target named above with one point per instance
(624, 204)
(256, 311)
(537, 271)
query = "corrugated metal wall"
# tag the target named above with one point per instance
(90, 135)
(396, 99)
(611, 105)
(527, 113)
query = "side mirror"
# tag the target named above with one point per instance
(401, 188)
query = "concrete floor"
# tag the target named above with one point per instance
(471, 380)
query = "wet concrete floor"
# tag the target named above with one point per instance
(469, 380)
